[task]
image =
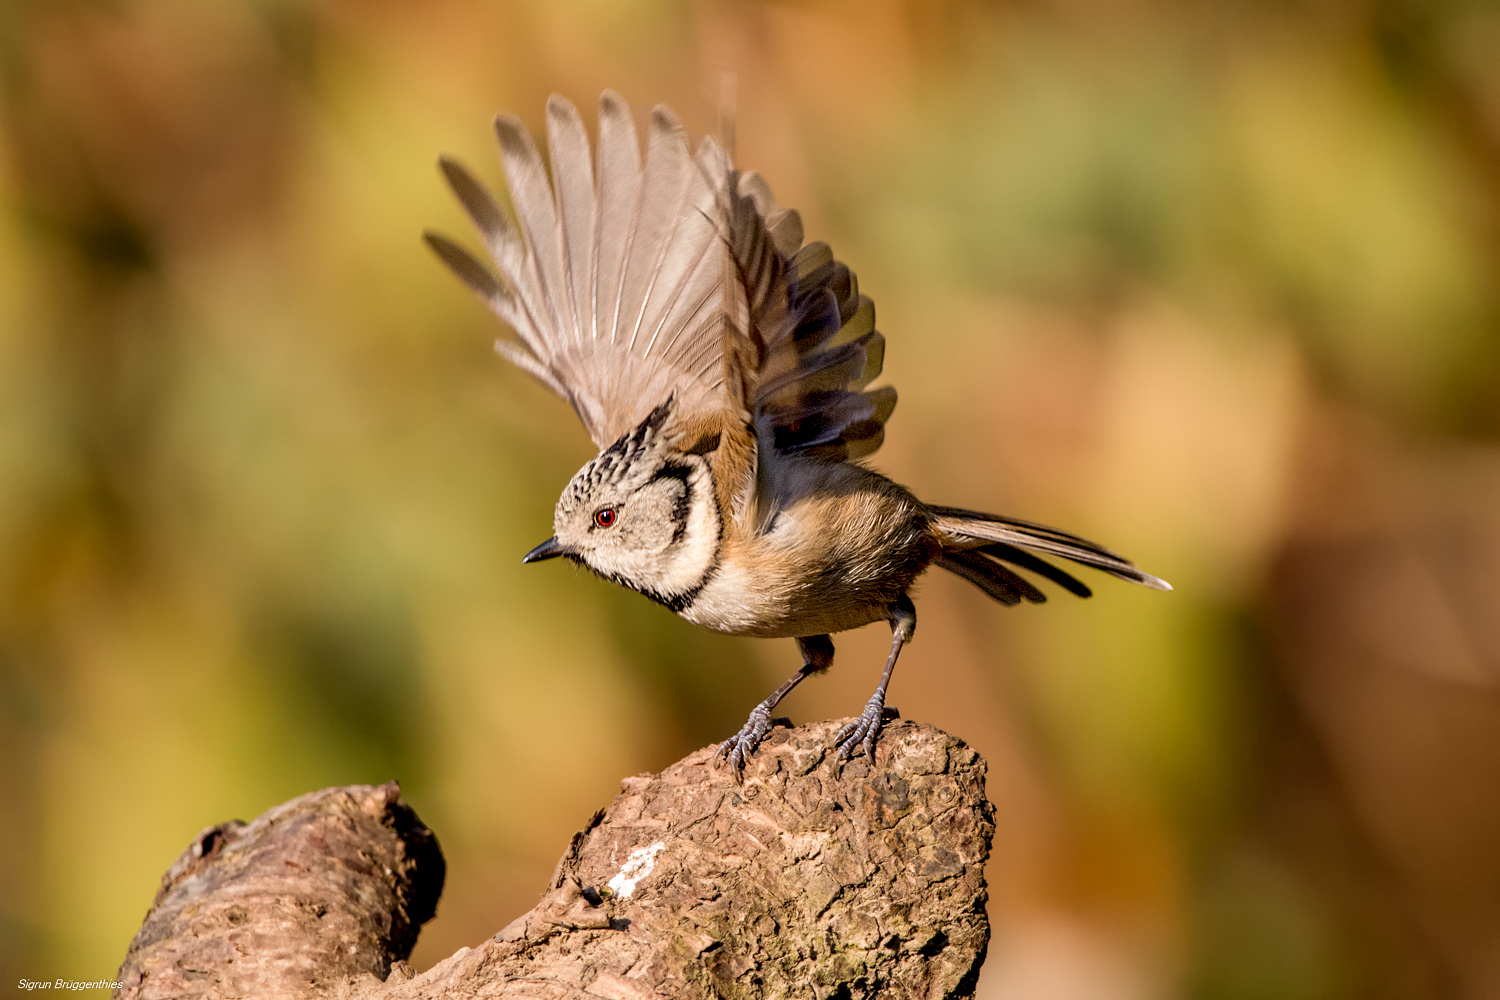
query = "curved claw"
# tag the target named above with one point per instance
(863, 730)
(738, 748)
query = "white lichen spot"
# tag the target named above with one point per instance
(640, 863)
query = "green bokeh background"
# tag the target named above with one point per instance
(264, 486)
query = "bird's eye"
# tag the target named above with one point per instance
(604, 517)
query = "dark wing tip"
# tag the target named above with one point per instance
(515, 140)
(561, 107)
(439, 244)
(459, 179)
(466, 266)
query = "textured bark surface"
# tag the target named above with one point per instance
(330, 885)
(805, 881)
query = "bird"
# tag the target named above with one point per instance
(722, 365)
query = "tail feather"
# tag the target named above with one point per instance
(989, 576)
(968, 533)
(1025, 560)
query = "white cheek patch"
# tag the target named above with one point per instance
(695, 553)
(641, 863)
(643, 549)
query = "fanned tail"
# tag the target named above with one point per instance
(975, 544)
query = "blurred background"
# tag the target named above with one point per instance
(1214, 283)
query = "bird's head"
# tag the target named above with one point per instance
(642, 514)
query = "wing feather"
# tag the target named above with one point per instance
(663, 196)
(527, 362)
(573, 181)
(632, 279)
(474, 274)
(695, 273)
(531, 196)
(619, 190)
(521, 310)
(493, 291)
(785, 227)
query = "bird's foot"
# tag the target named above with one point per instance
(738, 748)
(865, 729)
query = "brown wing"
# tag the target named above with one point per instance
(629, 284)
(816, 346)
(613, 279)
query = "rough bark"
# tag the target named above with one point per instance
(806, 880)
(328, 886)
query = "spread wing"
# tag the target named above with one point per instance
(629, 283)
(815, 343)
(611, 280)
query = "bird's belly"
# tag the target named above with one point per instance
(738, 603)
(835, 558)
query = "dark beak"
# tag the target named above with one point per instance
(547, 550)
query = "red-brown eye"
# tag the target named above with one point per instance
(604, 517)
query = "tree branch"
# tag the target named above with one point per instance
(804, 881)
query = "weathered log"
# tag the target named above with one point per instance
(328, 886)
(806, 880)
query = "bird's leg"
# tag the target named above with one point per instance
(817, 656)
(867, 727)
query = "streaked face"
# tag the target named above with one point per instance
(643, 516)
